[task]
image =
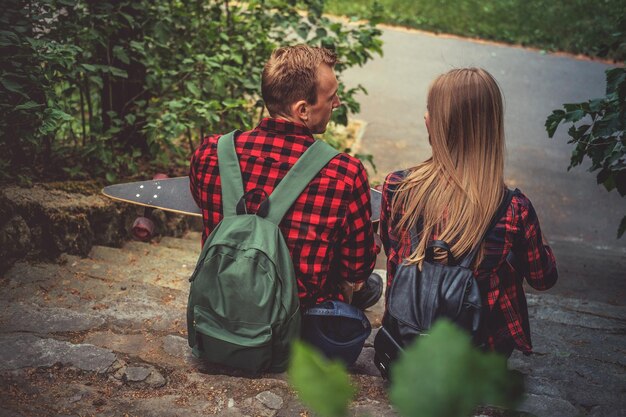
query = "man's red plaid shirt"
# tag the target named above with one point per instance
(328, 229)
(506, 315)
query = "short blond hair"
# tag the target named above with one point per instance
(291, 75)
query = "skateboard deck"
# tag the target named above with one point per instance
(173, 194)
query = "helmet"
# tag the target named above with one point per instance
(337, 329)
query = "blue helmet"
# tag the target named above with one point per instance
(337, 329)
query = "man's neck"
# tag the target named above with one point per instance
(287, 118)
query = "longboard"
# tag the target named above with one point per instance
(174, 195)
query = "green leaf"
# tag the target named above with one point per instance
(28, 106)
(608, 125)
(193, 89)
(322, 385)
(575, 115)
(614, 77)
(620, 180)
(137, 46)
(596, 105)
(8, 38)
(130, 118)
(553, 121)
(603, 175)
(442, 375)
(60, 115)
(13, 86)
(89, 67)
(118, 72)
(120, 53)
(609, 182)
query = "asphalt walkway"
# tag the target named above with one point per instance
(570, 204)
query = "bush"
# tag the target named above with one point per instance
(102, 88)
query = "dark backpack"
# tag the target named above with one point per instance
(243, 308)
(417, 298)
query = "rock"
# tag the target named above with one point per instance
(254, 407)
(15, 240)
(365, 363)
(75, 398)
(541, 386)
(546, 406)
(136, 373)
(70, 233)
(176, 346)
(29, 351)
(270, 400)
(147, 375)
(35, 319)
(155, 379)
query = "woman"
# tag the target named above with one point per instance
(453, 196)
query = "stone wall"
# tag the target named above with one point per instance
(43, 221)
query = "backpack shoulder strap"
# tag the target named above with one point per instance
(504, 205)
(298, 178)
(230, 173)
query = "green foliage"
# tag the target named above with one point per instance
(103, 88)
(441, 375)
(599, 134)
(595, 28)
(322, 385)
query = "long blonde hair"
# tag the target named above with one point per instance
(455, 193)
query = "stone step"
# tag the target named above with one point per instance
(189, 244)
(127, 307)
(44, 302)
(161, 266)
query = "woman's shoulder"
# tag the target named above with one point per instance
(520, 200)
(524, 211)
(393, 179)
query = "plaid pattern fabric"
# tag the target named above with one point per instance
(506, 314)
(328, 229)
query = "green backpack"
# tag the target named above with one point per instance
(243, 308)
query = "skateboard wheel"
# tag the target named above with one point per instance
(143, 229)
(160, 176)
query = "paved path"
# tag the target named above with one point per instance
(572, 207)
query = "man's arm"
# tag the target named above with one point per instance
(357, 248)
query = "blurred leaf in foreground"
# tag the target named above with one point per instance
(443, 375)
(322, 385)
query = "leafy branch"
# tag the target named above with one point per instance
(600, 134)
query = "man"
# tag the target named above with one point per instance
(328, 229)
